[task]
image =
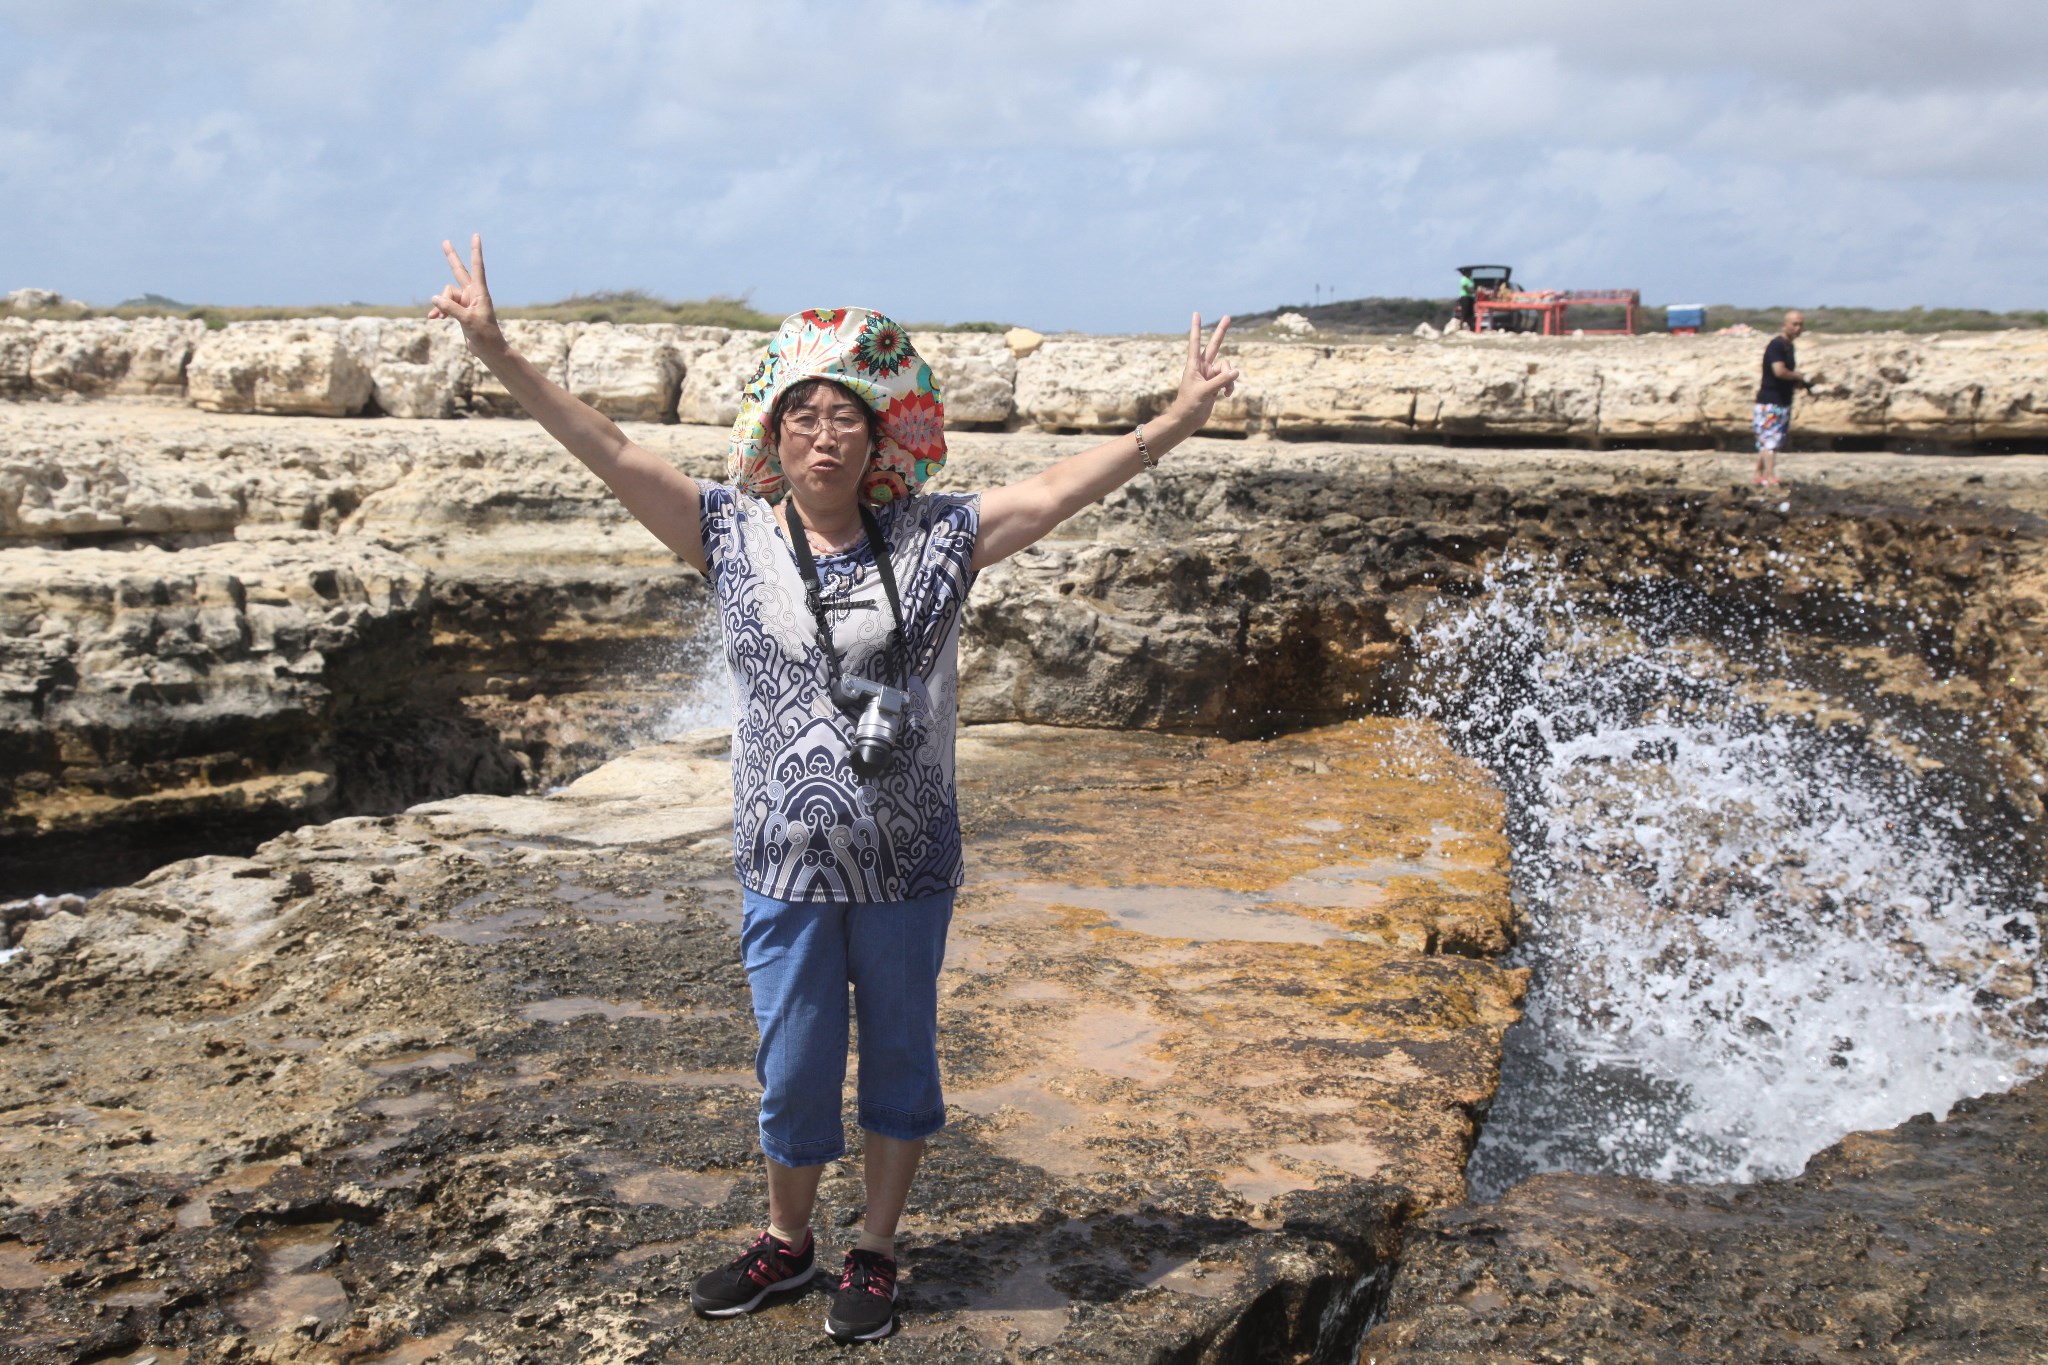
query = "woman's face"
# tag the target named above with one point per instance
(824, 445)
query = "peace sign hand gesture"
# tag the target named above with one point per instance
(468, 300)
(1205, 377)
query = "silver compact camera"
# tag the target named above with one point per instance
(881, 717)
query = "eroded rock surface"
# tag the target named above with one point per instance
(113, 356)
(1924, 1243)
(481, 1072)
(710, 395)
(1947, 390)
(1238, 589)
(147, 695)
(150, 569)
(418, 369)
(312, 368)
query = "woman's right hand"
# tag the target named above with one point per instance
(468, 300)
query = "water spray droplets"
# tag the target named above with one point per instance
(1751, 932)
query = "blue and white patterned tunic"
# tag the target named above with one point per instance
(805, 828)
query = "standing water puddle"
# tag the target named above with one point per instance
(1751, 931)
(568, 1008)
(1205, 913)
(638, 1182)
(528, 904)
(295, 1285)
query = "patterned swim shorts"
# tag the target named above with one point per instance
(1770, 423)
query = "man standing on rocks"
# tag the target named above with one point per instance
(1774, 397)
(839, 585)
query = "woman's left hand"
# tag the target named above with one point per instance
(1205, 377)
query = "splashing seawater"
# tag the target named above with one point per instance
(705, 697)
(1749, 933)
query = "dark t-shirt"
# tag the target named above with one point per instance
(1776, 391)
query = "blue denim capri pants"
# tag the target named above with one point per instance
(800, 957)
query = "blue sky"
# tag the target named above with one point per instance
(1095, 165)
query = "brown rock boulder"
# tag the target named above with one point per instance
(108, 356)
(418, 368)
(306, 368)
(975, 371)
(545, 344)
(17, 347)
(710, 394)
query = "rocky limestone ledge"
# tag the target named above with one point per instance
(547, 631)
(482, 1072)
(227, 642)
(107, 473)
(234, 685)
(1922, 1243)
(309, 368)
(1601, 390)
(1237, 589)
(105, 357)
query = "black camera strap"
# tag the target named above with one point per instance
(814, 584)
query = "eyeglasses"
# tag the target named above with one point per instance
(810, 424)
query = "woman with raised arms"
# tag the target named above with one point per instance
(839, 585)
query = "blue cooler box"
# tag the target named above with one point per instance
(1693, 315)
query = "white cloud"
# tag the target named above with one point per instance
(1061, 161)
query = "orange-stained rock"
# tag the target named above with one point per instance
(1247, 952)
(1201, 1043)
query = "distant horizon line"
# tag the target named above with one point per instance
(1398, 313)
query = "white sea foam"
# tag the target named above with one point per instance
(1750, 933)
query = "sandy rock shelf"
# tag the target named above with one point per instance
(484, 1069)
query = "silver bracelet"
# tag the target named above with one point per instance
(1143, 453)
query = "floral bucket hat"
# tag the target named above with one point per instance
(872, 356)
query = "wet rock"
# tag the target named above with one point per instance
(17, 915)
(221, 906)
(481, 1073)
(1210, 633)
(540, 995)
(313, 367)
(1921, 1243)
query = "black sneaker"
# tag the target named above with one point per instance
(770, 1266)
(864, 1308)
